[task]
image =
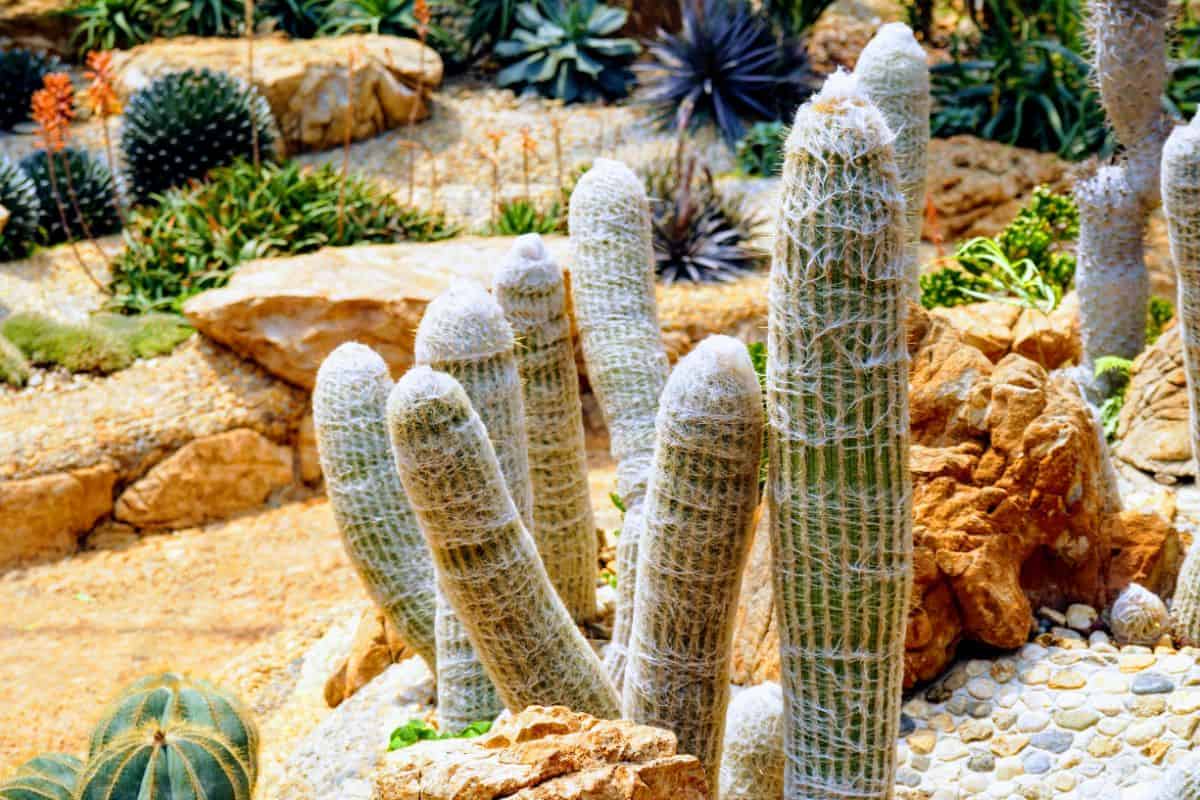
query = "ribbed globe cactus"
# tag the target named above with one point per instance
(612, 283)
(186, 123)
(378, 528)
(87, 197)
(699, 525)
(752, 764)
(486, 559)
(839, 487)
(52, 776)
(529, 287)
(19, 197)
(1138, 616)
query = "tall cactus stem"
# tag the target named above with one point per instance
(612, 281)
(699, 524)
(753, 762)
(379, 531)
(839, 487)
(894, 72)
(486, 559)
(529, 287)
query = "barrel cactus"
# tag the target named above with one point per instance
(86, 198)
(529, 287)
(752, 764)
(1138, 616)
(893, 71)
(699, 525)
(173, 761)
(839, 488)
(184, 124)
(52, 776)
(612, 282)
(19, 198)
(486, 559)
(21, 74)
(378, 528)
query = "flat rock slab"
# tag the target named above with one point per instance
(305, 81)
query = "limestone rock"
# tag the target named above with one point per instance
(307, 459)
(42, 518)
(997, 329)
(376, 647)
(1148, 550)
(1153, 431)
(545, 754)
(987, 326)
(209, 478)
(304, 81)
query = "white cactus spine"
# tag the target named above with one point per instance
(752, 766)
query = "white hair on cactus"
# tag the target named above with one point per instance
(1138, 616)
(752, 765)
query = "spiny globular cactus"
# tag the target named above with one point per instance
(612, 282)
(893, 71)
(1138, 616)
(379, 531)
(52, 776)
(86, 198)
(486, 559)
(700, 516)
(839, 487)
(19, 198)
(529, 287)
(752, 764)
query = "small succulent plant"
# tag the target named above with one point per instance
(84, 186)
(760, 151)
(117, 24)
(21, 73)
(566, 49)
(19, 197)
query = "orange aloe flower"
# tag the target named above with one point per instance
(101, 98)
(53, 110)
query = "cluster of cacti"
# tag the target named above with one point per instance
(700, 516)
(19, 198)
(839, 488)
(612, 282)
(1182, 781)
(82, 184)
(486, 559)
(184, 124)
(378, 528)
(1138, 616)
(893, 72)
(52, 776)
(752, 763)
(529, 287)
(21, 74)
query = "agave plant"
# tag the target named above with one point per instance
(397, 18)
(299, 19)
(565, 49)
(19, 197)
(21, 73)
(726, 66)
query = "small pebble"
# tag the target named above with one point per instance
(981, 762)
(1052, 741)
(1055, 617)
(1037, 763)
(1151, 682)
(1067, 679)
(981, 688)
(980, 710)
(907, 724)
(1032, 721)
(1077, 719)
(1081, 617)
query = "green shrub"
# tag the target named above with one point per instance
(192, 239)
(14, 368)
(416, 730)
(19, 196)
(21, 73)
(75, 348)
(518, 217)
(299, 19)
(1117, 372)
(760, 151)
(147, 335)
(83, 185)
(396, 18)
(1159, 311)
(207, 17)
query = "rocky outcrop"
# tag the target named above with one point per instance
(1153, 433)
(998, 328)
(42, 518)
(545, 754)
(305, 82)
(376, 647)
(37, 25)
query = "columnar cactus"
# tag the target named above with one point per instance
(752, 766)
(1185, 604)
(1182, 781)
(839, 487)
(1181, 207)
(486, 559)
(699, 525)
(378, 528)
(465, 693)
(892, 69)
(1138, 616)
(612, 281)
(47, 777)
(529, 287)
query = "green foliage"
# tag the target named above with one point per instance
(209, 17)
(1159, 311)
(1183, 86)
(121, 24)
(796, 16)
(396, 18)
(147, 335)
(21, 73)
(1116, 370)
(192, 239)
(299, 19)
(491, 20)
(83, 185)
(758, 357)
(19, 197)
(566, 49)
(14, 368)
(617, 502)
(416, 730)
(75, 348)
(47, 777)
(185, 124)
(949, 287)
(518, 217)
(760, 151)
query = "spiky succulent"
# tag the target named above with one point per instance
(760, 151)
(82, 186)
(20, 199)
(21, 73)
(186, 123)
(566, 49)
(727, 65)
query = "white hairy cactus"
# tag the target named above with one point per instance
(699, 525)
(1185, 604)
(839, 486)
(1182, 781)
(752, 766)
(1181, 207)
(612, 281)
(380, 533)
(486, 559)
(892, 69)
(529, 287)
(1138, 616)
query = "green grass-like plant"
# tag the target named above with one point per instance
(418, 730)
(519, 217)
(1116, 372)
(192, 239)
(760, 151)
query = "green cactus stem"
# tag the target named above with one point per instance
(839, 488)
(752, 764)
(51, 776)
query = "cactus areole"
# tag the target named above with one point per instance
(839, 487)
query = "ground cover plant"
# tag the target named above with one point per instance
(104, 343)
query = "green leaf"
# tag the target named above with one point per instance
(617, 501)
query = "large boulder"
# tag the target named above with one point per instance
(42, 518)
(305, 82)
(997, 328)
(1153, 431)
(545, 754)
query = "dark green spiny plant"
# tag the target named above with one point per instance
(19, 197)
(84, 185)
(21, 73)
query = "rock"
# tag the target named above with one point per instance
(1153, 432)
(42, 518)
(545, 754)
(1053, 339)
(376, 647)
(1151, 682)
(304, 81)
(1148, 550)
(1081, 617)
(37, 25)
(307, 459)
(207, 479)
(987, 326)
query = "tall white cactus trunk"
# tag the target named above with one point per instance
(839, 487)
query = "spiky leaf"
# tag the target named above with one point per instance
(82, 185)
